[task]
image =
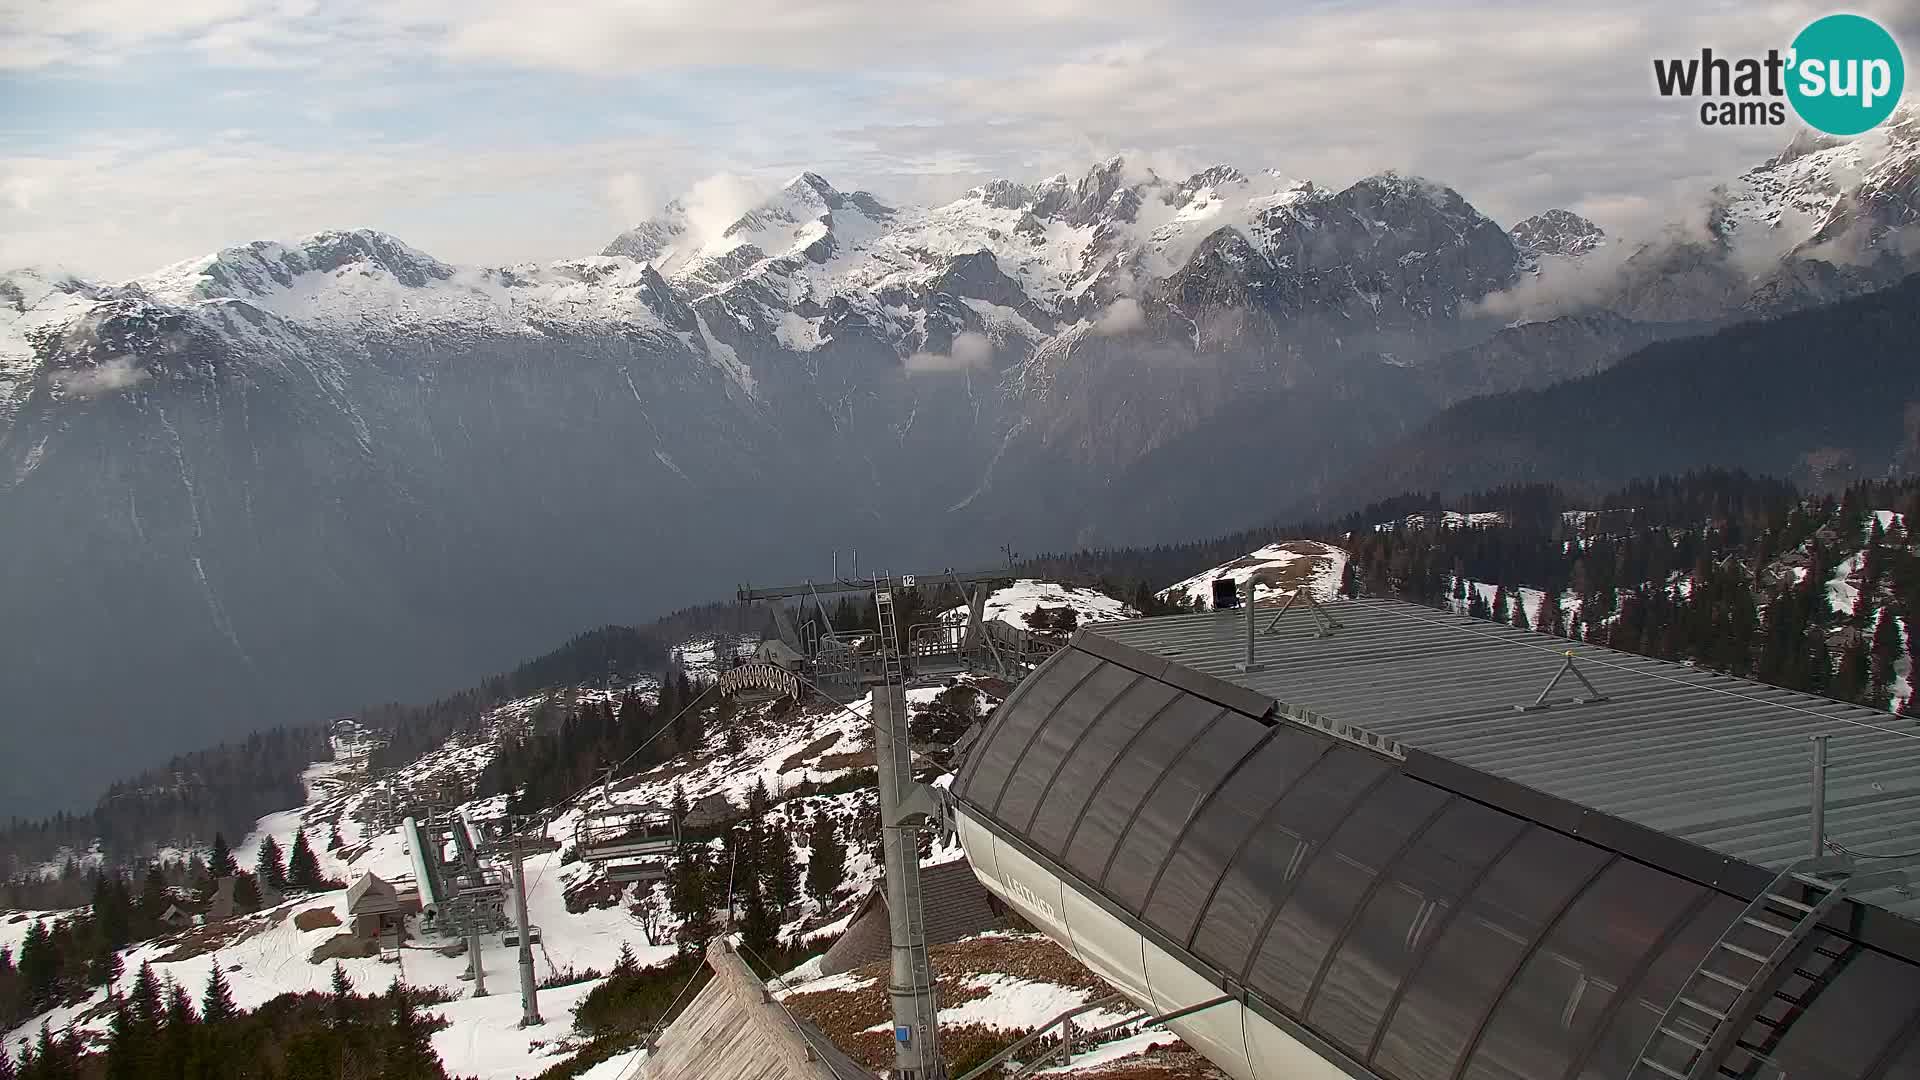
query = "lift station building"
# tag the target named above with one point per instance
(1420, 846)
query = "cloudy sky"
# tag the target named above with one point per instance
(136, 133)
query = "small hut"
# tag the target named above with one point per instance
(378, 909)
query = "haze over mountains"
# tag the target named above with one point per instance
(284, 480)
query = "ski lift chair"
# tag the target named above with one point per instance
(630, 843)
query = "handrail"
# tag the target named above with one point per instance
(995, 1061)
(1142, 1020)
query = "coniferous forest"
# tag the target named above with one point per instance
(160, 1030)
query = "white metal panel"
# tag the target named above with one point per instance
(1234, 1038)
(1108, 946)
(1033, 890)
(1215, 1032)
(977, 842)
(1276, 1055)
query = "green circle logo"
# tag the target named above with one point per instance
(1847, 74)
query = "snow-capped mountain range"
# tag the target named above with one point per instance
(340, 469)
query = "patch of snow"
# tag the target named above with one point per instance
(1012, 1003)
(1451, 519)
(1114, 1051)
(1016, 603)
(1297, 563)
(483, 1038)
(618, 1067)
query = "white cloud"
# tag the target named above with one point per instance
(1560, 286)
(125, 203)
(715, 202)
(1519, 106)
(970, 352)
(1121, 317)
(106, 377)
(631, 196)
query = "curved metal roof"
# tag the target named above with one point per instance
(1420, 917)
(1719, 762)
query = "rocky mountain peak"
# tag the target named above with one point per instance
(1001, 195)
(254, 270)
(810, 185)
(1559, 233)
(654, 239)
(1212, 178)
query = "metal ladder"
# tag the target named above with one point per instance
(1741, 974)
(892, 680)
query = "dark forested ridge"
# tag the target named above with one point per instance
(226, 788)
(188, 799)
(1714, 566)
(1831, 389)
(1719, 568)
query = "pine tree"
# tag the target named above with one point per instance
(1349, 584)
(179, 1052)
(1886, 653)
(340, 998)
(409, 1054)
(1477, 605)
(153, 893)
(216, 1005)
(782, 873)
(759, 931)
(39, 967)
(221, 863)
(271, 867)
(1819, 676)
(626, 963)
(126, 1059)
(826, 860)
(1552, 618)
(72, 1050)
(148, 1007)
(7, 1070)
(50, 1064)
(691, 901)
(246, 894)
(106, 968)
(180, 1010)
(199, 883)
(1850, 679)
(303, 869)
(112, 910)
(1500, 612)
(1520, 621)
(679, 807)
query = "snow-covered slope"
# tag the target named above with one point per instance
(793, 753)
(1014, 603)
(1276, 569)
(1831, 198)
(36, 307)
(1555, 237)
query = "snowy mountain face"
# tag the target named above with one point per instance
(288, 479)
(1560, 234)
(1824, 220)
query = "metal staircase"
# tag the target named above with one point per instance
(1744, 975)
